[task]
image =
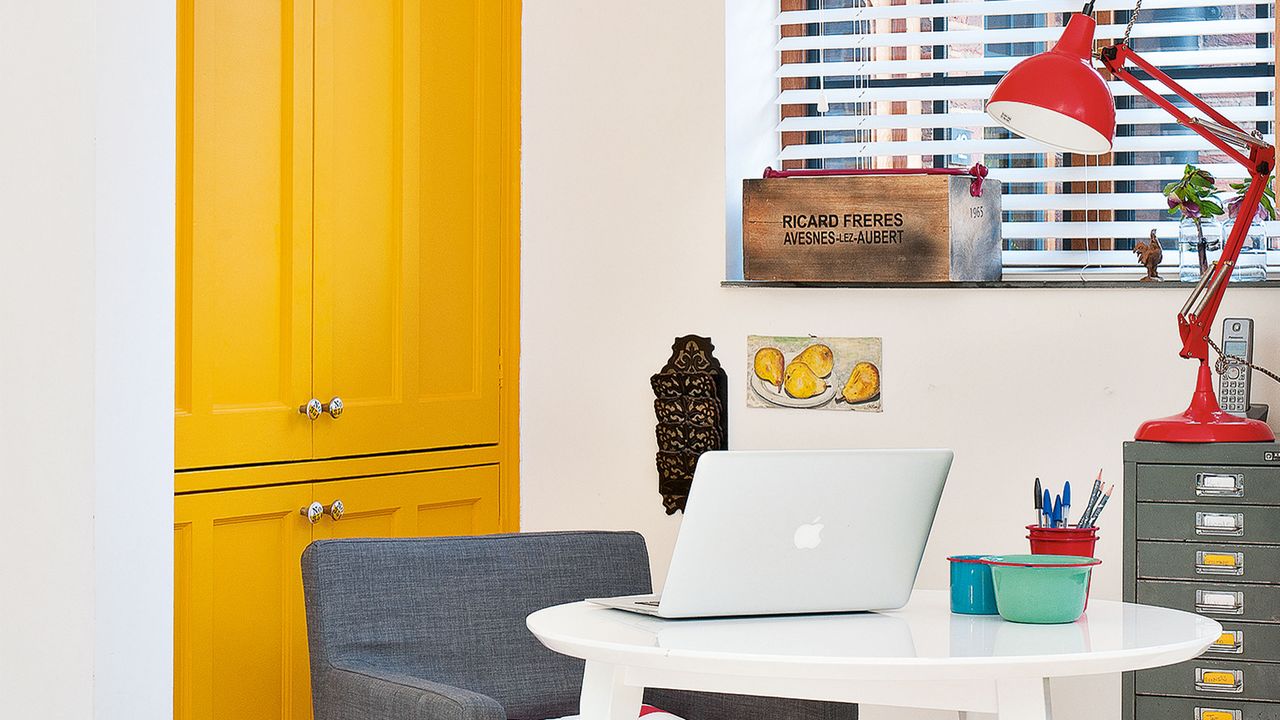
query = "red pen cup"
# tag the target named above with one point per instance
(1064, 541)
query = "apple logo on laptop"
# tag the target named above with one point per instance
(808, 536)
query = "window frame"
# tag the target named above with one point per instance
(753, 143)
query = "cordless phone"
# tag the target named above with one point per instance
(1233, 383)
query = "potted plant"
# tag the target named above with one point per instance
(1194, 197)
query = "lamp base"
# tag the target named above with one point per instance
(1204, 421)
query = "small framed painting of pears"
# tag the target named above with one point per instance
(814, 373)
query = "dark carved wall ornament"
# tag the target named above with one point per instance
(691, 399)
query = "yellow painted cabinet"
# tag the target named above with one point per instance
(347, 192)
(345, 181)
(240, 649)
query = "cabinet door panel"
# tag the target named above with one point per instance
(409, 201)
(243, 362)
(461, 501)
(240, 650)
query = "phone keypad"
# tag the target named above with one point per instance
(1232, 391)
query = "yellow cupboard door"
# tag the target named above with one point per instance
(240, 642)
(410, 151)
(243, 231)
(462, 501)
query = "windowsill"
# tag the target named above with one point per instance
(1038, 282)
(1027, 277)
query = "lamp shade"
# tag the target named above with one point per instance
(1057, 97)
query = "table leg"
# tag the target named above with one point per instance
(606, 697)
(1023, 699)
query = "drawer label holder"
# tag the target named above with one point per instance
(1220, 485)
(1221, 681)
(1220, 602)
(1219, 563)
(1218, 523)
(1203, 713)
(1230, 642)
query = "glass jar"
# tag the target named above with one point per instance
(1189, 247)
(1251, 266)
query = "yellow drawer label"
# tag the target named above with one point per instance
(1227, 639)
(1218, 678)
(1219, 559)
(1216, 715)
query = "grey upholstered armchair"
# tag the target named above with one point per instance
(433, 629)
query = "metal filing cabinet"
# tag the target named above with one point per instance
(1202, 533)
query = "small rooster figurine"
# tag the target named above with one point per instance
(1149, 256)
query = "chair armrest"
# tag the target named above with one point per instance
(717, 706)
(356, 691)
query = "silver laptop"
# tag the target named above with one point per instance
(799, 531)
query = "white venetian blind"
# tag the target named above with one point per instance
(903, 83)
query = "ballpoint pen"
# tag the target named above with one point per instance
(1046, 502)
(1039, 505)
(1057, 511)
(1066, 503)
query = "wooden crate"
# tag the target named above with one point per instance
(870, 228)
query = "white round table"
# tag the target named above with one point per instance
(920, 656)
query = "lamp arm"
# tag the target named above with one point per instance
(1195, 322)
(1115, 57)
(1196, 319)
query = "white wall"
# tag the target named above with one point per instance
(46, 364)
(623, 226)
(133, 359)
(86, 347)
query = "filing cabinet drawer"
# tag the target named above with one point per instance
(1213, 523)
(1219, 601)
(1246, 641)
(1212, 679)
(1168, 708)
(1226, 484)
(1208, 561)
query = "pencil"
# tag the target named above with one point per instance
(1102, 504)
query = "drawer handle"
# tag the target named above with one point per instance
(312, 512)
(1219, 563)
(1214, 523)
(1220, 602)
(333, 407)
(1223, 681)
(1216, 714)
(1230, 642)
(311, 409)
(1219, 485)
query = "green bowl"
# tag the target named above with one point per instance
(1042, 589)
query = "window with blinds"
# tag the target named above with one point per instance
(902, 83)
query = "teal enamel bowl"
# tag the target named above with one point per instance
(1041, 589)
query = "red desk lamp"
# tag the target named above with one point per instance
(1059, 99)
